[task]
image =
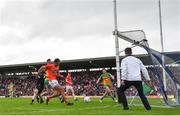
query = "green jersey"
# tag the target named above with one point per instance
(106, 77)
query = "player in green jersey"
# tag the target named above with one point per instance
(106, 79)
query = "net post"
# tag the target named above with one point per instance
(162, 45)
(115, 33)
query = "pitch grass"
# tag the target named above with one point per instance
(21, 106)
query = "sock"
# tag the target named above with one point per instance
(112, 98)
(32, 101)
(102, 98)
(41, 100)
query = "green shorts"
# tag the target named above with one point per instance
(46, 82)
(11, 92)
(107, 86)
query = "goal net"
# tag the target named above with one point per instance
(164, 70)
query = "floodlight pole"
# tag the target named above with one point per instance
(116, 44)
(162, 45)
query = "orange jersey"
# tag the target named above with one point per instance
(52, 71)
(106, 80)
(68, 80)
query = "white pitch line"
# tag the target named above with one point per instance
(54, 110)
(86, 108)
(152, 106)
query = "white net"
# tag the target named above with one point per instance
(160, 70)
(135, 35)
(170, 78)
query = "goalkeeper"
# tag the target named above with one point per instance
(131, 68)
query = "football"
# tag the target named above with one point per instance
(87, 99)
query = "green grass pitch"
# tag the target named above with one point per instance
(21, 106)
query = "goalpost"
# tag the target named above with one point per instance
(158, 71)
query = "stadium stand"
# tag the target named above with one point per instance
(85, 73)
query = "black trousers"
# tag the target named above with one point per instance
(138, 85)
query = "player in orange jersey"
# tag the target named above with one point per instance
(69, 85)
(46, 82)
(52, 71)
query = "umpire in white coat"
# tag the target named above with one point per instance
(131, 70)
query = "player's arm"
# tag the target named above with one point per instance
(99, 79)
(146, 75)
(123, 71)
(59, 75)
(42, 69)
(33, 71)
(32, 68)
(144, 72)
(112, 77)
(69, 82)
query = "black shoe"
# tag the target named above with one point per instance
(148, 108)
(32, 102)
(126, 108)
(69, 104)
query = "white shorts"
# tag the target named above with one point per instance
(69, 88)
(53, 83)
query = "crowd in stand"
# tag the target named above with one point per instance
(24, 86)
(83, 83)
